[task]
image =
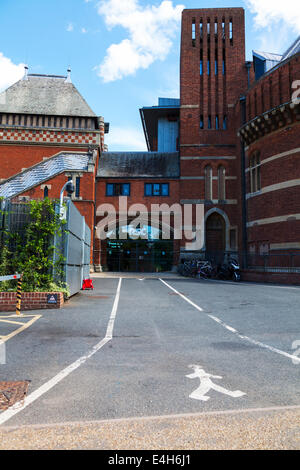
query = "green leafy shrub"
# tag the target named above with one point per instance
(33, 250)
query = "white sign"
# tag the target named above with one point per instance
(206, 384)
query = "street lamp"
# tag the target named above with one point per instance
(69, 187)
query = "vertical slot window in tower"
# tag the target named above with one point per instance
(216, 62)
(201, 122)
(231, 31)
(224, 63)
(208, 30)
(201, 61)
(217, 122)
(223, 29)
(225, 122)
(201, 30)
(216, 30)
(193, 32)
(209, 122)
(208, 62)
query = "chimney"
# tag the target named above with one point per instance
(26, 72)
(68, 79)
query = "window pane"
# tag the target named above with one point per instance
(165, 189)
(156, 189)
(77, 187)
(109, 189)
(118, 189)
(148, 189)
(126, 189)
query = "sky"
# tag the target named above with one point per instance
(123, 54)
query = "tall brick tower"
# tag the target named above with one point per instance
(213, 75)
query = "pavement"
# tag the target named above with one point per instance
(149, 362)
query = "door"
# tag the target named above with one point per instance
(215, 237)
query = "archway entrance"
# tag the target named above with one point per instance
(143, 251)
(215, 237)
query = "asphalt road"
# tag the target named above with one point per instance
(125, 349)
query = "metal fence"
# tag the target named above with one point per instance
(76, 249)
(284, 262)
(274, 262)
(74, 244)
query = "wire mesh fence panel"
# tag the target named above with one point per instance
(76, 250)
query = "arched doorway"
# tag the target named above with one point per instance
(143, 250)
(215, 236)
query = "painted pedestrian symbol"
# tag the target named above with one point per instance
(206, 384)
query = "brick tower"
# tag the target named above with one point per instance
(213, 75)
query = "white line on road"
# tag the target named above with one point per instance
(246, 338)
(6, 415)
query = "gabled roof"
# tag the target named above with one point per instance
(138, 165)
(42, 172)
(267, 56)
(44, 95)
(293, 49)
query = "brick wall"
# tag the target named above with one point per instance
(276, 278)
(15, 157)
(30, 301)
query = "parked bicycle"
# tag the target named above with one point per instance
(204, 269)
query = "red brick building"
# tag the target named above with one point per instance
(49, 134)
(231, 143)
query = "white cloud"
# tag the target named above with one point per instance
(83, 30)
(268, 12)
(70, 27)
(125, 138)
(150, 33)
(9, 72)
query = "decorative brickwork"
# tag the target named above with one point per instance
(46, 136)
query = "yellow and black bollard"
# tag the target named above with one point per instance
(19, 295)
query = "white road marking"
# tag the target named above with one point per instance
(243, 337)
(6, 415)
(206, 384)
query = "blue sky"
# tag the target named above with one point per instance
(124, 54)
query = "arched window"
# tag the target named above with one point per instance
(221, 183)
(46, 191)
(208, 183)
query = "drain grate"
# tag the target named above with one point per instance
(12, 392)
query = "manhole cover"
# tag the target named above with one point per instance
(11, 393)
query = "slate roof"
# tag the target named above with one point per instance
(139, 165)
(44, 95)
(293, 49)
(42, 172)
(268, 56)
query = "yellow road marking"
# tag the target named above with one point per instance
(34, 318)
